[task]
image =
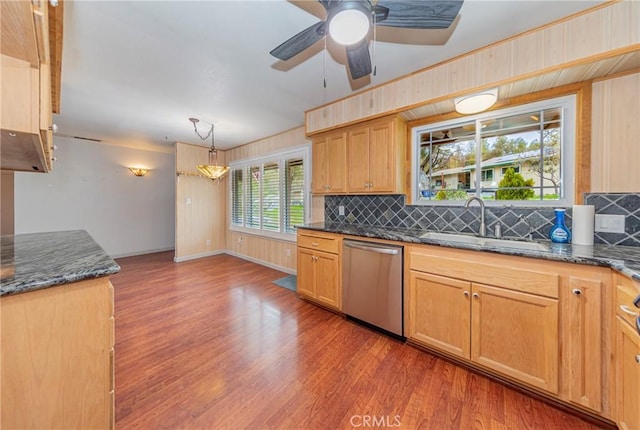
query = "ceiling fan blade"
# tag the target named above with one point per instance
(420, 13)
(300, 41)
(359, 59)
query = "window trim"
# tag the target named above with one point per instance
(300, 151)
(570, 116)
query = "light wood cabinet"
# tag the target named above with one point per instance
(516, 334)
(366, 158)
(319, 275)
(26, 111)
(511, 332)
(439, 313)
(627, 355)
(375, 157)
(541, 323)
(329, 163)
(57, 357)
(581, 338)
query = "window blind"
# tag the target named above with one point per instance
(269, 195)
(294, 194)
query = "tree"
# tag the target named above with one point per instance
(547, 167)
(514, 187)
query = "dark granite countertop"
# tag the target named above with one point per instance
(625, 259)
(42, 260)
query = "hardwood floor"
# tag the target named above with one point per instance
(213, 344)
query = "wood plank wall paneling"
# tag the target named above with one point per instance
(278, 254)
(615, 130)
(286, 139)
(612, 28)
(204, 218)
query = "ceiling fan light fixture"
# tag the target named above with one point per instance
(349, 26)
(478, 102)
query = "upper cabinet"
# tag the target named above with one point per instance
(375, 157)
(329, 163)
(366, 158)
(26, 112)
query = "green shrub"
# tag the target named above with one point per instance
(521, 188)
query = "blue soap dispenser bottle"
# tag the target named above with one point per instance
(559, 233)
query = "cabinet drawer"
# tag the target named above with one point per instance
(319, 241)
(625, 294)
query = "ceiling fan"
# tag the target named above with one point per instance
(348, 22)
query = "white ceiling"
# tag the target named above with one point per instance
(136, 71)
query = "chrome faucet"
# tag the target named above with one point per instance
(483, 227)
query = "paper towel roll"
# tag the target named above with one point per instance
(582, 224)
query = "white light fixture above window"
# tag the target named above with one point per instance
(349, 26)
(478, 102)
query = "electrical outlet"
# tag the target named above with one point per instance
(208, 242)
(288, 252)
(188, 201)
(341, 210)
(609, 223)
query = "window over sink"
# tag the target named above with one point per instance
(522, 156)
(269, 195)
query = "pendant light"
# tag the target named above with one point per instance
(211, 170)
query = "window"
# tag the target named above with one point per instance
(530, 146)
(516, 169)
(269, 195)
(486, 175)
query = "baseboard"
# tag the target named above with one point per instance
(195, 256)
(261, 262)
(148, 251)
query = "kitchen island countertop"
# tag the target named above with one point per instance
(41, 260)
(624, 259)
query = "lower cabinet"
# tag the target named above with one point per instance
(535, 322)
(57, 357)
(319, 268)
(627, 376)
(516, 334)
(511, 332)
(627, 354)
(440, 313)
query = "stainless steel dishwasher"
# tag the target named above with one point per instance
(372, 284)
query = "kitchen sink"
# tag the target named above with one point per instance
(451, 237)
(485, 241)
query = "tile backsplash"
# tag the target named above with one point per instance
(627, 204)
(391, 211)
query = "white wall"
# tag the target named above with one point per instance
(92, 189)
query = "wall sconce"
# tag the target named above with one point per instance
(138, 171)
(477, 102)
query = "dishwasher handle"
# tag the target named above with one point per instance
(379, 250)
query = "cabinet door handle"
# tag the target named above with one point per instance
(638, 358)
(476, 295)
(576, 291)
(466, 294)
(315, 244)
(628, 311)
